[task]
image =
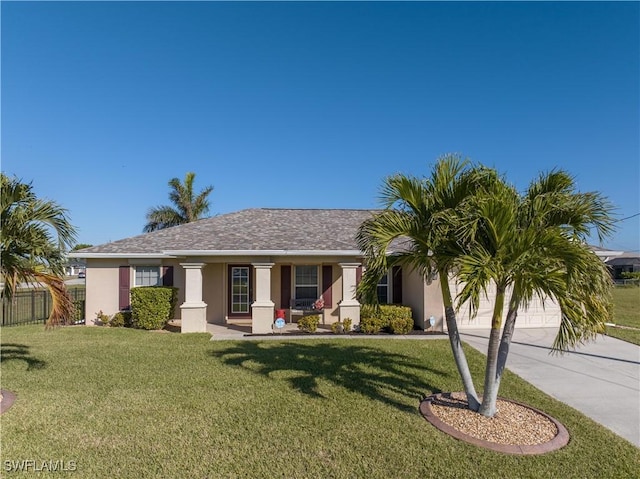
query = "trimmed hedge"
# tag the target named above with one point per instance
(152, 306)
(388, 317)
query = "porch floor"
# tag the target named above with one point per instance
(241, 332)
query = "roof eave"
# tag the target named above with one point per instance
(273, 252)
(119, 255)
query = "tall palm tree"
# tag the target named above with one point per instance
(188, 206)
(420, 219)
(468, 222)
(534, 245)
(35, 233)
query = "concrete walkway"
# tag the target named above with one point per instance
(600, 379)
(290, 332)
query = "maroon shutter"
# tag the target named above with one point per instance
(358, 275)
(327, 281)
(396, 284)
(124, 288)
(285, 287)
(167, 276)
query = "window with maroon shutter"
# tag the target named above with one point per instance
(327, 281)
(124, 280)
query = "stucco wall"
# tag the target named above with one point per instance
(214, 287)
(102, 288)
(413, 295)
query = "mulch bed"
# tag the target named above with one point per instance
(515, 429)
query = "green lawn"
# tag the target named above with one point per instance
(626, 312)
(134, 404)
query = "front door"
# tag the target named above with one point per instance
(240, 291)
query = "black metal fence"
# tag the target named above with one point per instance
(34, 306)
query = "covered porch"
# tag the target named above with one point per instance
(245, 295)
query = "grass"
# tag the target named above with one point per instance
(135, 404)
(626, 301)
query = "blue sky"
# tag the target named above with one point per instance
(311, 105)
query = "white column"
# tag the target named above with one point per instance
(262, 308)
(349, 307)
(193, 310)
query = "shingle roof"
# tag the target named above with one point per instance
(626, 260)
(258, 229)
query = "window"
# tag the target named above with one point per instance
(306, 282)
(148, 276)
(240, 297)
(383, 289)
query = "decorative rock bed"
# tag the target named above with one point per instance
(515, 428)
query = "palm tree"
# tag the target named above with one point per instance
(35, 234)
(533, 245)
(188, 206)
(420, 219)
(468, 222)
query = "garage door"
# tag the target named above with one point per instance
(537, 315)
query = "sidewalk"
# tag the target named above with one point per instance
(600, 379)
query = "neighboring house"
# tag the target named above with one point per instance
(605, 254)
(75, 266)
(242, 267)
(625, 263)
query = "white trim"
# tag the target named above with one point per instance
(263, 252)
(249, 252)
(119, 255)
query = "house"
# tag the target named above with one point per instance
(74, 266)
(245, 266)
(605, 254)
(627, 262)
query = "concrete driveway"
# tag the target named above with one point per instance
(600, 379)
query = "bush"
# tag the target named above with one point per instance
(401, 325)
(103, 318)
(347, 324)
(372, 324)
(152, 306)
(121, 319)
(342, 327)
(393, 318)
(309, 323)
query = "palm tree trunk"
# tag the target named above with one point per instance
(456, 344)
(505, 342)
(490, 393)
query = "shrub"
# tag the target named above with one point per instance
(121, 319)
(152, 306)
(372, 324)
(342, 326)
(103, 318)
(401, 325)
(309, 323)
(394, 318)
(347, 324)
